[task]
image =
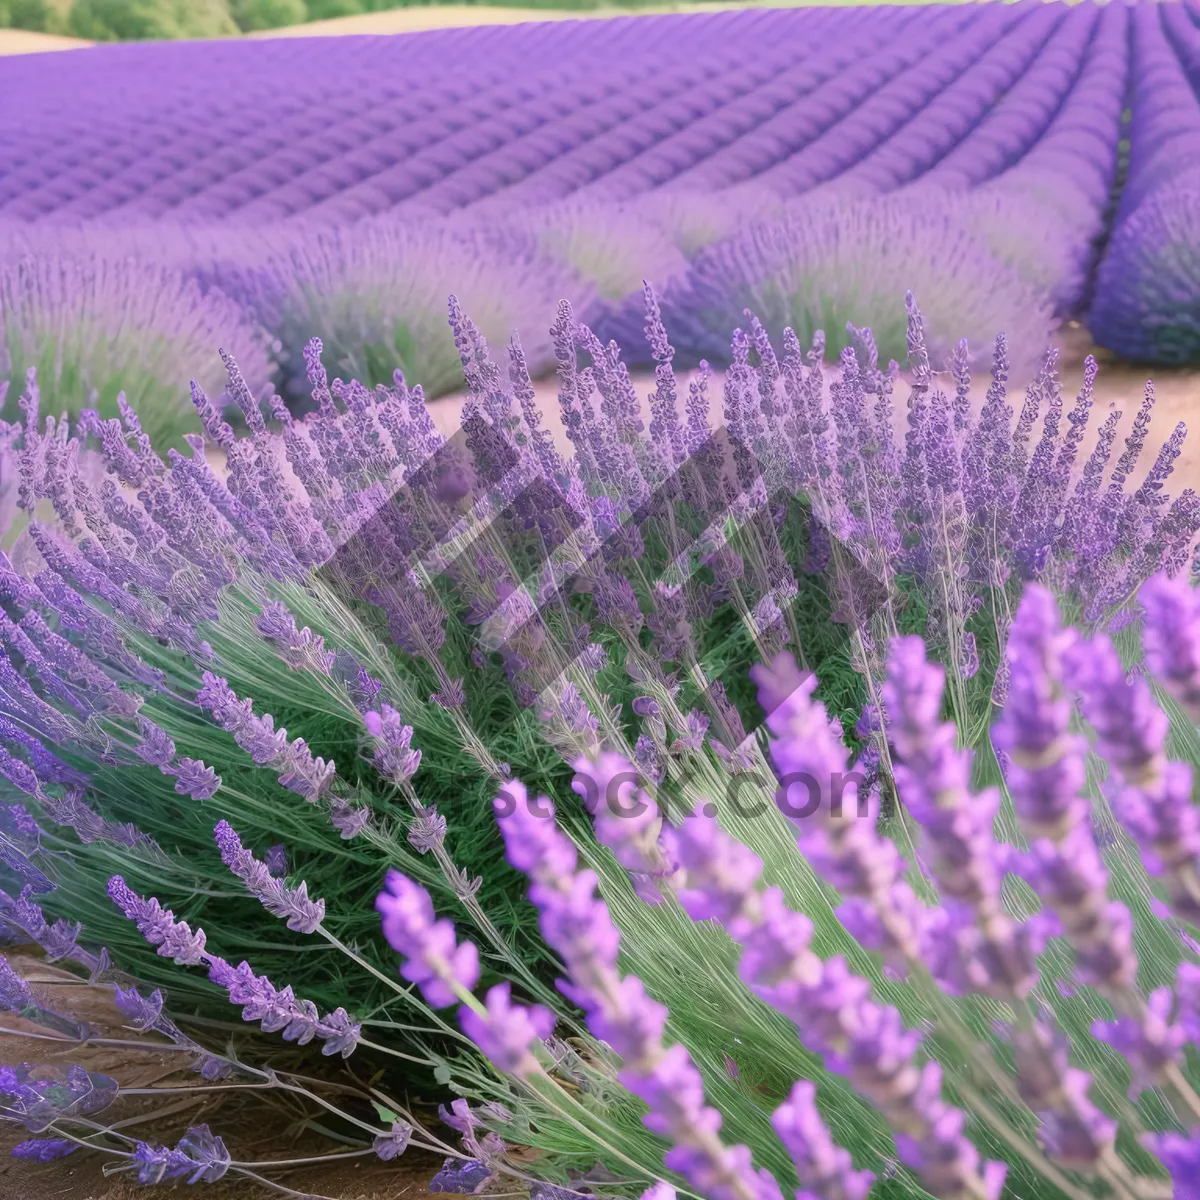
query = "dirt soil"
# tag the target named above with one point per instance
(252, 1130)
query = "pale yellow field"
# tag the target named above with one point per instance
(21, 41)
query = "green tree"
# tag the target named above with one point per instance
(37, 15)
(320, 10)
(136, 20)
(268, 14)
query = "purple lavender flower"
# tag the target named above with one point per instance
(932, 779)
(142, 1012)
(844, 847)
(1131, 727)
(507, 1032)
(1180, 1154)
(39, 1096)
(199, 1157)
(626, 819)
(194, 779)
(427, 831)
(825, 1170)
(1045, 768)
(44, 1150)
(867, 1043)
(434, 960)
(15, 995)
(459, 1177)
(173, 939)
(718, 876)
(394, 758)
(348, 820)
(299, 770)
(279, 1011)
(1150, 1043)
(393, 1143)
(302, 914)
(300, 649)
(576, 923)
(1172, 638)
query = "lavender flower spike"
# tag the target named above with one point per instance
(576, 923)
(302, 914)
(199, 1157)
(824, 1170)
(507, 1031)
(810, 756)
(301, 649)
(174, 939)
(992, 952)
(1172, 638)
(277, 1009)
(435, 961)
(394, 759)
(1155, 802)
(1045, 771)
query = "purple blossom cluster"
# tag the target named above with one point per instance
(277, 1010)
(366, 501)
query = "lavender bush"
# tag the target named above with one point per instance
(825, 263)
(97, 327)
(256, 698)
(376, 291)
(611, 247)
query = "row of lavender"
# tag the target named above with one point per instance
(442, 622)
(1149, 282)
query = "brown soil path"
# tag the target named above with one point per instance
(252, 1130)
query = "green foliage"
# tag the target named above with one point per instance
(321, 10)
(141, 20)
(40, 16)
(252, 15)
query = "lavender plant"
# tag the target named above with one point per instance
(231, 706)
(376, 291)
(827, 263)
(98, 328)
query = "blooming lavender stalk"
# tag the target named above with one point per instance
(1153, 796)
(1063, 864)
(278, 1010)
(302, 914)
(440, 966)
(301, 649)
(395, 759)
(299, 770)
(993, 954)
(825, 1170)
(842, 846)
(1172, 638)
(576, 923)
(626, 819)
(199, 1157)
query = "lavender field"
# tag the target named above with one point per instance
(459, 491)
(1013, 165)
